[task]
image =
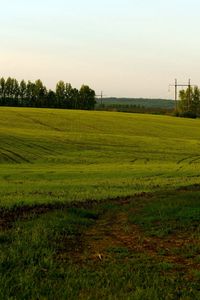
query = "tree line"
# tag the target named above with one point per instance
(189, 102)
(35, 94)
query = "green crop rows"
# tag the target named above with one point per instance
(59, 155)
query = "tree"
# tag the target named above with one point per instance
(189, 101)
(22, 93)
(87, 97)
(60, 93)
(40, 92)
(16, 92)
(30, 94)
(69, 95)
(195, 105)
(75, 98)
(9, 90)
(2, 91)
(51, 99)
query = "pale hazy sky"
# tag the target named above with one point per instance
(132, 48)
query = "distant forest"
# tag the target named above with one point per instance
(188, 104)
(142, 102)
(35, 94)
(136, 105)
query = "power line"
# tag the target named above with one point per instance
(176, 85)
(101, 96)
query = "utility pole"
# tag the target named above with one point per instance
(176, 95)
(101, 97)
(176, 85)
(189, 96)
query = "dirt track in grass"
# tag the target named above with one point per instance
(112, 230)
(25, 212)
(115, 232)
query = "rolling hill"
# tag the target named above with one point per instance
(65, 155)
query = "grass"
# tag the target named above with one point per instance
(84, 252)
(55, 244)
(59, 155)
(166, 214)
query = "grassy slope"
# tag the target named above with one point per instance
(59, 155)
(144, 247)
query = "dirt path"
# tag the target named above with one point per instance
(114, 231)
(26, 212)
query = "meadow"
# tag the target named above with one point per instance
(98, 205)
(62, 155)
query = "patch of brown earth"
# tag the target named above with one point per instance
(26, 212)
(113, 231)
(8, 217)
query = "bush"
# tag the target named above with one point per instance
(188, 114)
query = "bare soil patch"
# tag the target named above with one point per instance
(26, 212)
(111, 230)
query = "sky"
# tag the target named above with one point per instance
(129, 48)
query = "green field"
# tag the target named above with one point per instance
(59, 155)
(98, 205)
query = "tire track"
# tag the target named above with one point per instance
(36, 121)
(15, 155)
(189, 159)
(9, 158)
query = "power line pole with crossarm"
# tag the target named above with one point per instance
(176, 85)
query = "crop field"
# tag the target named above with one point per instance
(56, 155)
(98, 205)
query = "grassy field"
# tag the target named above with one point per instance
(58, 241)
(144, 247)
(57, 155)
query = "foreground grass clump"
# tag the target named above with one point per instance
(96, 250)
(49, 155)
(165, 215)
